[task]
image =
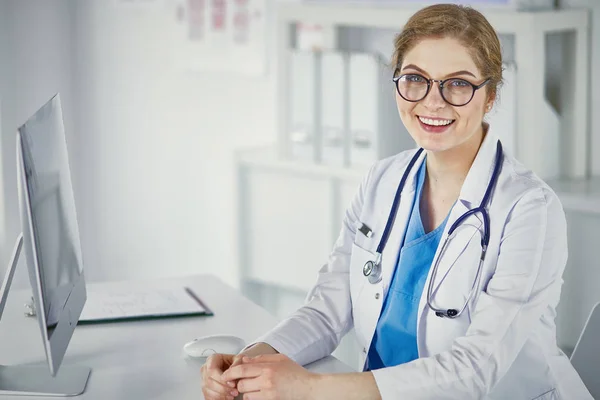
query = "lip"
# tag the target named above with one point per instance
(435, 129)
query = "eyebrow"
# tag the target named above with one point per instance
(462, 72)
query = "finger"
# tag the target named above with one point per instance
(217, 386)
(237, 360)
(210, 394)
(241, 371)
(256, 396)
(265, 358)
(249, 385)
(214, 362)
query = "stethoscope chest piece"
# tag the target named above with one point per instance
(372, 270)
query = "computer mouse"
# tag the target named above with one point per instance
(203, 347)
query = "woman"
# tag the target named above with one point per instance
(435, 321)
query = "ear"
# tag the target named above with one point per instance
(490, 102)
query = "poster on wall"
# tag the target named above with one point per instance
(221, 35)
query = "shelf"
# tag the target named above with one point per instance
(266, 158)
(582, 195)
(387, 16)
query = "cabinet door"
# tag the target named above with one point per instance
(287, 234)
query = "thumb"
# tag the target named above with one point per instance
(215, 363)
(237, 360)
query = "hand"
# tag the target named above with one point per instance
(273, 376)
(213, 386)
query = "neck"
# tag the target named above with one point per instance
(448, 169)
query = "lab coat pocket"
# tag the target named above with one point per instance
(357, 280)
(366, 297)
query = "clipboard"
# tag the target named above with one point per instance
(130, 303)
(114, 305)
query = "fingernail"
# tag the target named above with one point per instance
(234, 393)
(231, 384)
(246, 359)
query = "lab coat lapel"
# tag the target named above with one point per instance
(389, 256)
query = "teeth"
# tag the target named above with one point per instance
(435, 122)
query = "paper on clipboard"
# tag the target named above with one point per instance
(108, 304)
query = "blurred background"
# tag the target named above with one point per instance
(228, 136)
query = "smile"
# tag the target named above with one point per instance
(435, 122)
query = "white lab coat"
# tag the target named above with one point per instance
(504, 345)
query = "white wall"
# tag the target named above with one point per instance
(156, 176)
(35, 50)
(151, 147)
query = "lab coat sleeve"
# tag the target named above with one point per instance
(315, 330)
(527, 280)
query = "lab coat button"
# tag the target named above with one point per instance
(377, 296)
(364, 350)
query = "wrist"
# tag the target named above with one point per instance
(357, 385)
(258, 349)
(316, 384)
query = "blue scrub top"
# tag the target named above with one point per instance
(395, 338)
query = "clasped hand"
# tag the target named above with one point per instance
(264, 377)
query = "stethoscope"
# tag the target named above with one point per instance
(372, 269)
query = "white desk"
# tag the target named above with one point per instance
(143, 359)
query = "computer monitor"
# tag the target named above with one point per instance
(50, 239)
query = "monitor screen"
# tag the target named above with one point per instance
(50, 229)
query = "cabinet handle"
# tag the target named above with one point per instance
(362, 139)
(300, 135)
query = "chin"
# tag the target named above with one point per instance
(434, 142)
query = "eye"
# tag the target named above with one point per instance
(458, 83)
(413, 78)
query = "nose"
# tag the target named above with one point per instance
(434, 100)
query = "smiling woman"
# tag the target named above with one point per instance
(467, 317)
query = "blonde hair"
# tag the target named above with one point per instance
(463, 23)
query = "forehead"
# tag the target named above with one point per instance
(440, 57)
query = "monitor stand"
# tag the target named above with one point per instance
(35, 380)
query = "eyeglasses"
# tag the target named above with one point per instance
(454, 91)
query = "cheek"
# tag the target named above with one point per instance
(470, 114)
(405, 108)
(474, 111)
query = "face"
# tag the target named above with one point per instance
(434, 124)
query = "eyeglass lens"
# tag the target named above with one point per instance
(455, 91)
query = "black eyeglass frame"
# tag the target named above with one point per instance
(441, 87)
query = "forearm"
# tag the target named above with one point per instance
(359, 385)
